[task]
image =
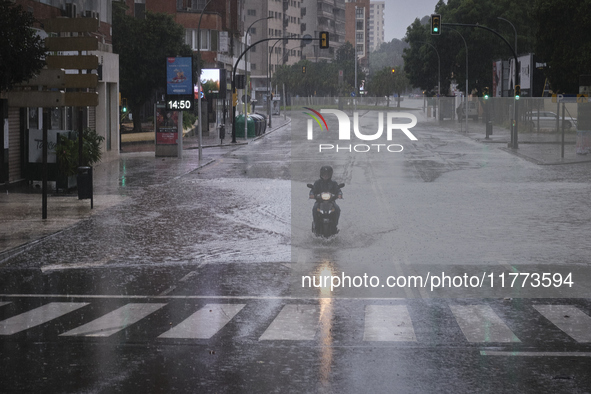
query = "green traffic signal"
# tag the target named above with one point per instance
(517, 92)
(436, 24)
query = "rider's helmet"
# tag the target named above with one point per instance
(326, 172)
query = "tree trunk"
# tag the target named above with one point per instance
(137, 120)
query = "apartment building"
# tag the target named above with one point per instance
(376, 24)
(18, 150)
(357, 22)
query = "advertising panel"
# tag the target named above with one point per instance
(178, 76)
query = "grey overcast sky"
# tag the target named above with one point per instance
(399, 14)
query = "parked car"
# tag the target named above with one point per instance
(472, 110)
(548, 120)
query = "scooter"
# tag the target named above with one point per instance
(324, 225)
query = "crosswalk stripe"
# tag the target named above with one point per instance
(388, 323)
(115, 321)
(569, 319)
(4, 303)
(295, 323)
(480, 323)
(38, 316)
(204, 323)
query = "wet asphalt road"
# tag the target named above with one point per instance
(193, 284)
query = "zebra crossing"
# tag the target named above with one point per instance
(479, 323)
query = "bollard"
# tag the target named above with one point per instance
(84, 180)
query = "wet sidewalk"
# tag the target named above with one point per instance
(544, 148)
(115, 179)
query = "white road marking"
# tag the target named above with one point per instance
(569, 319)
(204, 323)
(388, 323)
(294, 323)
(115, 321)
(38, 316)
(534, 354)
(184, 297)
(480, 323)
(4, 303)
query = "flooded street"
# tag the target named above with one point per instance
(195, 281)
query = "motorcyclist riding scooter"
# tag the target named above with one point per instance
(325, 212)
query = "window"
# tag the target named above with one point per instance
(191, 39)
(253, 66)
(252, 12)
(359, 13)
(359, 37)
(253, 30)
(359, 25)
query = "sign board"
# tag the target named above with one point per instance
(179, 80)
(167, 126)
(223, 44)
(175, 102)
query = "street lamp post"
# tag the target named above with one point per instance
(269, 81)
(514, 143)
(438, 72)
(247, 76)
(466, 98)
(200, 126)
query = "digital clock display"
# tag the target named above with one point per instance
(179, 103)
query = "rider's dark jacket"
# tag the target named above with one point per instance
(330, 186)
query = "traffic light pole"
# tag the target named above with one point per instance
(514, 143)
(236, 68)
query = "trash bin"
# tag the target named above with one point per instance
(84, 181)
(259, 124)
(240, 127)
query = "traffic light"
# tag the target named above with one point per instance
(324, 43)
(436, 24)
(517, 92)
(485, 93)
(124, 105)
(234, 98)
(303, 69)
(393, 70)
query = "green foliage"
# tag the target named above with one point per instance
(483, 46)
(189, 119)
(66, 151)
(322, 78)
(143, 46)
(564, 41)
(21, 49)
(385, 83)
(388, 54)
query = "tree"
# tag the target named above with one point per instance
(387, 55)
(562, 22)
(143, 46)
(22, 51)
(483, 46)
(385, 83)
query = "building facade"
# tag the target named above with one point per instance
(357, 22)
(376, 24)
(21, 123)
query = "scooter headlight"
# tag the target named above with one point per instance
(325, 196)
